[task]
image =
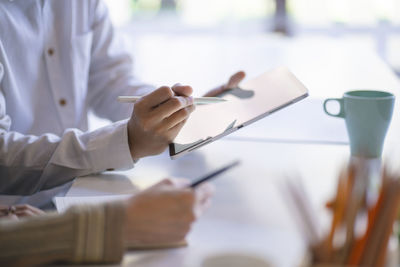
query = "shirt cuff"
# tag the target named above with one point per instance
(111, 146)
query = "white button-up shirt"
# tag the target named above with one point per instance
(59, 60)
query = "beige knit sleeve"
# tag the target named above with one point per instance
(82, 234)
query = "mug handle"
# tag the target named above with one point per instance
(341, 111)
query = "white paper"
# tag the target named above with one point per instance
(102, 184)
(63, 203)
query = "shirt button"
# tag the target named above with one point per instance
(50, 51)
(62, 102)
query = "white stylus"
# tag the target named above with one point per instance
(197, 100)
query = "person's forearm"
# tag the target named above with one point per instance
(81, 235)
(32, 163)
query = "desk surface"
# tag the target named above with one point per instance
(249, 213)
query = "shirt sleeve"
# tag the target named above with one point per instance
(84, 234)
(111, 69)
(31, 163)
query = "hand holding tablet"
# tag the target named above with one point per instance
(238, 108)
(157, 118)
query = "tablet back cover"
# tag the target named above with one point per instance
(254, 99)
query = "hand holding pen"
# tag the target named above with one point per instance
(157, 118)
(196, 101)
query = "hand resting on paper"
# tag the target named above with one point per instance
(164, 213)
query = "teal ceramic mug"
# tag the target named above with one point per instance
(367, 115)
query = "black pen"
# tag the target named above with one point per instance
(213, 174)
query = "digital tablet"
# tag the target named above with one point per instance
(254, 100)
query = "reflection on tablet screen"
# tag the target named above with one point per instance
(238, 92)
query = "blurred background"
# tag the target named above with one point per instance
(325, 43)
(373, 23)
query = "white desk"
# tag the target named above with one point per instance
(249, 213)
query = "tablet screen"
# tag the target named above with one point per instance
(254, 99)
